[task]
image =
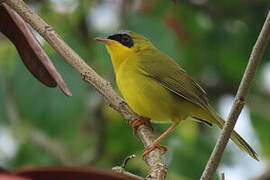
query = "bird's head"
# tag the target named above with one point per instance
(124, 43)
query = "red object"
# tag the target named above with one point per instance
(64, 173)
(11, 177)
(4, 175)
(31, 52)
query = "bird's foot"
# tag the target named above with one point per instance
(156, 144)
(137, 122)
(150, 148)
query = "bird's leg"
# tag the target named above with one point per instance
(156, 144)
(137, 122)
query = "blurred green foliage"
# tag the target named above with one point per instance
(212, 40)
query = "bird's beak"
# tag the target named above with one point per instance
(104, 40)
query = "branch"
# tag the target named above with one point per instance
(154, 160)
(256, 55)
(121, 169)
(222, 176)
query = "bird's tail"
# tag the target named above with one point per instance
(235, 137)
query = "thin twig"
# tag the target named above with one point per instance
(256, 55)
(154, 160)
(127, 159)
(222, 175)
(121, 169)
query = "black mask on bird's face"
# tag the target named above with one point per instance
(122, 37)
(125, 41)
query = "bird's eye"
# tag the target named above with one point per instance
(125, 39)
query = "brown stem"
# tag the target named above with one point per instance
(154, 160)
(256, 55)
(222, 175)
(121, 169)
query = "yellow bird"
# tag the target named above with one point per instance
(157, 88)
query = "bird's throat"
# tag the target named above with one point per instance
(118, 55)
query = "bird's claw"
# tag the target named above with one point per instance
(150, 148)
(137, 122)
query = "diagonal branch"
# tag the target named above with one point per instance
(154, 160)
(256, 55)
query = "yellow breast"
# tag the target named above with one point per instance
(146, 96)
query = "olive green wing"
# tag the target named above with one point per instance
(174, 78)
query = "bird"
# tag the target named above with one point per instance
(159, 89)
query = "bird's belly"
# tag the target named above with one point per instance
(149, 98)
